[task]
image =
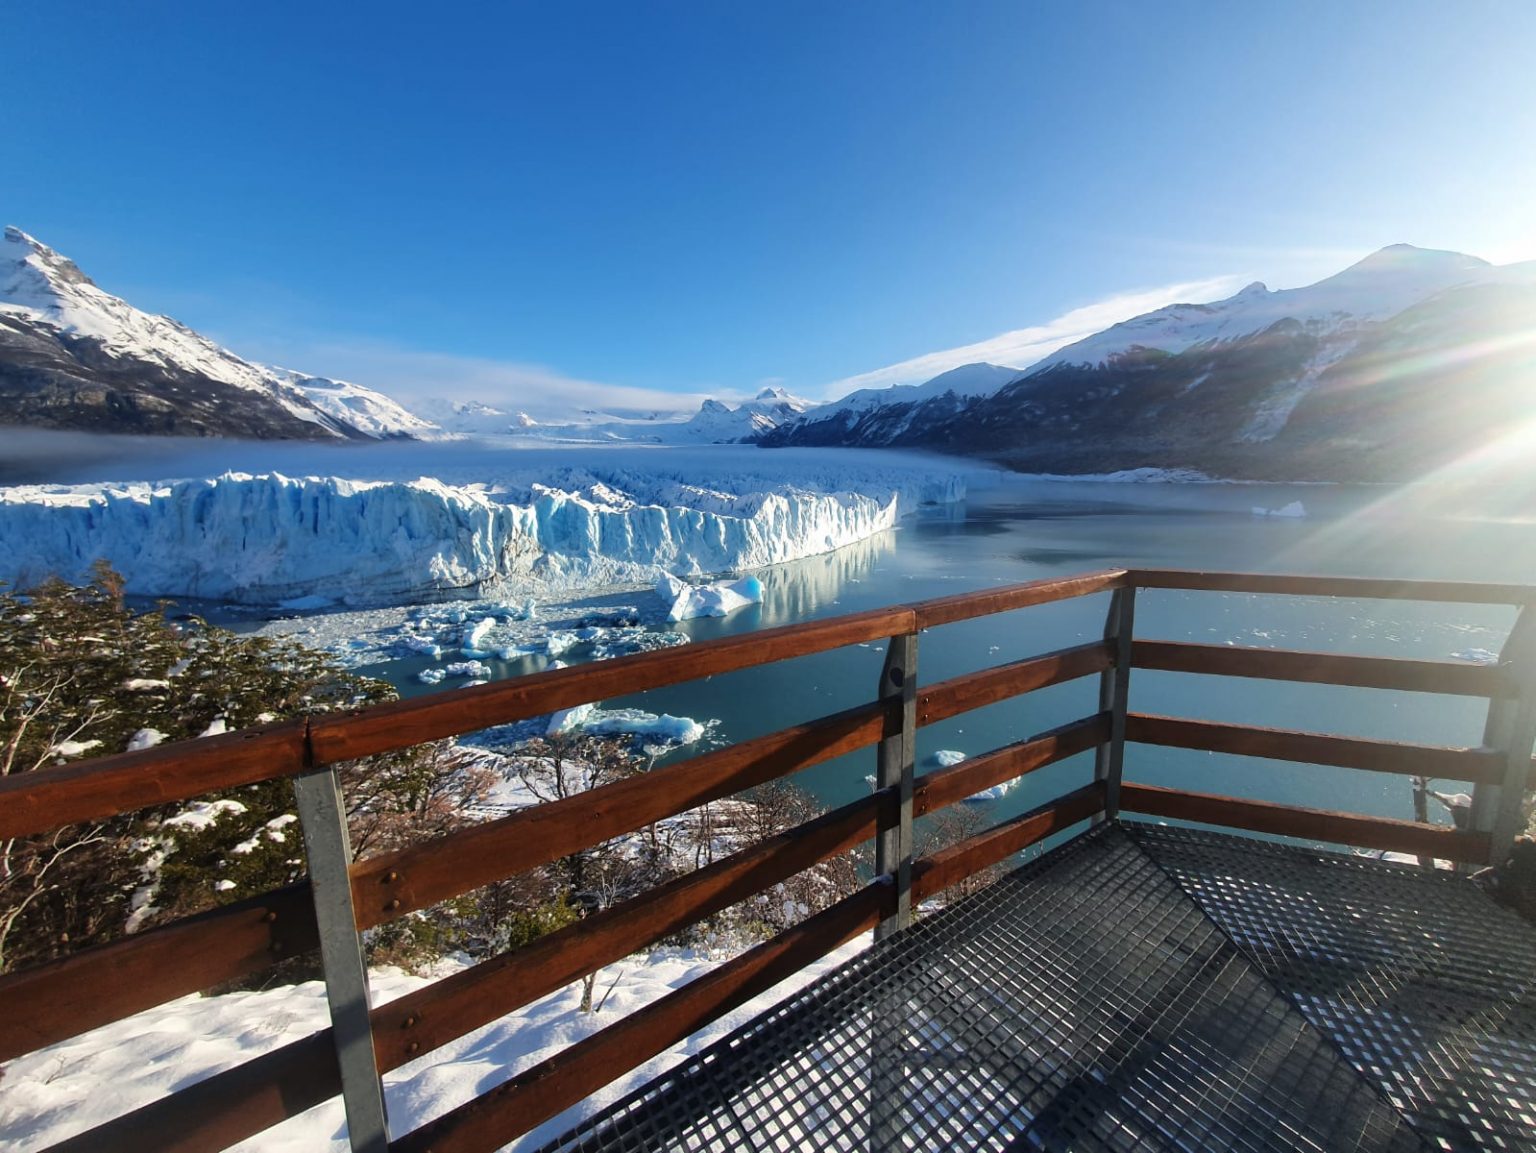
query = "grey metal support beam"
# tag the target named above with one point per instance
(329, 853)
(896, 756)
(1114, 697)
(1498, 810)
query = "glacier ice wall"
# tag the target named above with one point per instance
(266, 538)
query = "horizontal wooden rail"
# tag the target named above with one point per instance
(933, 791)
(89, 790)
(966, 606)
(1364, 588)
(437, 1014)
(230, 1106)
(537, 1094)
(1479, 764)
(1308, 824)
(394, 884)
(961, 694)
(1324, 668)
(69, 996)
(399, 724)
(948, 867)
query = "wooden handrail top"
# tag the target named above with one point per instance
(105, 786)
(99, 787)
(1480, 765)
(393, 884)
(1365, 588)
(1307, 824)
(1446, 677)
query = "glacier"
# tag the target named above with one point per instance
(488, 519)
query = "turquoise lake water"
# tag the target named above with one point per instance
(1025, 530)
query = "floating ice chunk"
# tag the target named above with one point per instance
(431, 676)
(476, 633)
(1477, 656)
(689, 601)
(1293, 511)
(667, 728)
(145, 739)
(567, 719)
(946, 757)
(467, 669)
(306, 604)
(560, 641)
(426, 646)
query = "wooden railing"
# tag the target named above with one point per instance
(343, 897)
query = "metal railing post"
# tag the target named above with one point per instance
(1511, 728)
(896, 755)
(1114, 698)
(329, 852)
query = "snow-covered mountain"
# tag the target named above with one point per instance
(886, 416)
(73, 356)
(1383, 371)
(715, 422)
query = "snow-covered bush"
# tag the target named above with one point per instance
(83, 673)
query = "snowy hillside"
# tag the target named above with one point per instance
(1348, 378)
(73, 356)
(491, 517)
(887, 416)
(1374, 289)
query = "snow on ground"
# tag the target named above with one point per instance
(69, 1087)
(388, 523)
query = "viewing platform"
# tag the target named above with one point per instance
(1133, 985)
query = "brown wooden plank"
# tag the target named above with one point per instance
(1460, 764)
(66, 997)
(1324, 668)
(400, 724)
(1365, 588)
(976, 690)
(227, 1107)
(964, 606)
(437, 1014)
(942, 787)
(539, 1093)
(87, 790)
(1307, 824)
(935, 873)
(394, 884)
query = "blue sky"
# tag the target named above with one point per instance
(613, 199)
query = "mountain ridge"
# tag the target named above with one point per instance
(1322, 382)
(75, 356)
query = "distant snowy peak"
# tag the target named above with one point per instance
(367, 410)
(715, 422)
(72, 355)
(1371, 290)
(968, 380)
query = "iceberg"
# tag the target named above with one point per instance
(1293, 511)
(267, 538)
(722, 598)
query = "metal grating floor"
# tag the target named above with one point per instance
(1425, 985)
(1138, 988)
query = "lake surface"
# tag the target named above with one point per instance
(1025, 530)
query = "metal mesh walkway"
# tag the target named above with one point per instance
(1084, 1002)
(1424, 984)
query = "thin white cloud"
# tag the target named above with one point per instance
(412, 375)
(1023, 346)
